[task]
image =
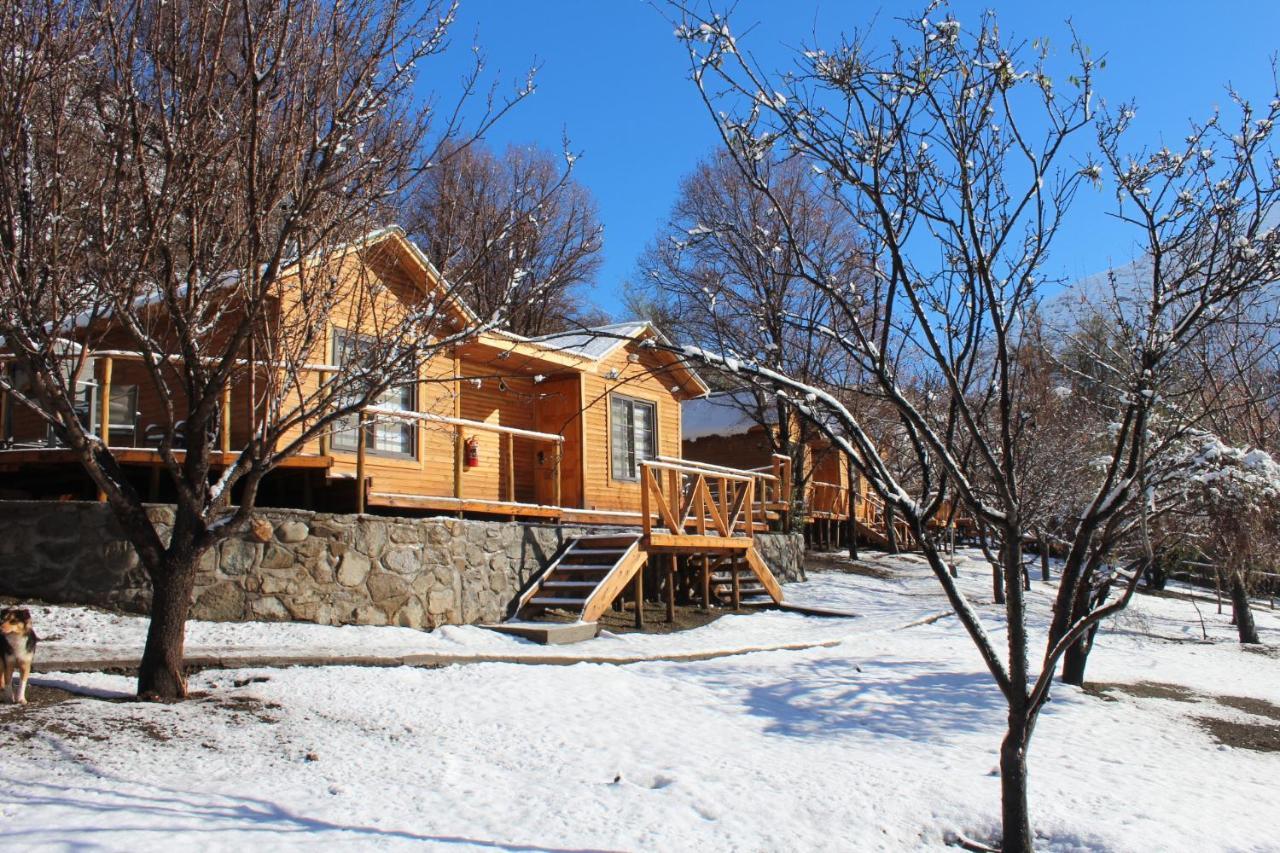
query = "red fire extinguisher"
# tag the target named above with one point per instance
(471, 452)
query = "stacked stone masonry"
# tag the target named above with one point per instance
(302, 566)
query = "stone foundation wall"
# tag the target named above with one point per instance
(303, 566)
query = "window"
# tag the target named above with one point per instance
(632, 435)
(386, 436)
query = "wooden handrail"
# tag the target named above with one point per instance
(405, 414)
(677, 506)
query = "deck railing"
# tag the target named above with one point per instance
(681, 499)
(508, 436)
(827, 500)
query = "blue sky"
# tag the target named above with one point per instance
(614, 79)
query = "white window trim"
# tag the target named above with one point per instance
(615, 475)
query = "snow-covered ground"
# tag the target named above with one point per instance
(886, 740)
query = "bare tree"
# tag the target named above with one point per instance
(186, 185)
(487, 221)
(721, 273)
(951, 151)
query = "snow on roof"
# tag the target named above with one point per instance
(723, 414)
(594, 343)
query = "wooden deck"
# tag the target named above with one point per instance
(34, 457)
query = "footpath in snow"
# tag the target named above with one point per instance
(885, 741)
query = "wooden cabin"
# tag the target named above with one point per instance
(729, 428)
(501, 425)
(582, 427)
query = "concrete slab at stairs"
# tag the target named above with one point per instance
(549, 633)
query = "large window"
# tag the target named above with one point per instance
(632, 435)
(392, 437)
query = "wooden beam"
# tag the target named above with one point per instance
(638, 588)
(737, 583)
(324, 436)
(764, 575)
(104, 404)
(360, 460)
(509, 448)
(671, 588)
(226, 418)
(104, 424)
(403, 501)
(4, 408)
(706, 582)
(459, 447)
(558, 458)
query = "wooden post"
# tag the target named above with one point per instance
(360, 454)
(673, 499)
(458, 449)
(4, 407)
(324, 436)
(509, 440)
(646, 522)
(558, 450)
(706, 582)
(104, 404)
(226, 420)
(1044, 555)
(671, 588)
(104, 411)
(737, 583)
(638, 588)
(458, 441)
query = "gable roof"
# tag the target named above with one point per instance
(598, 342)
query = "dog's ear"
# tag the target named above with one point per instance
(23, 614)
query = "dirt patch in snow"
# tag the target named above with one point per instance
(1257, 707)
(37, 697)
(655, 619)
(1260, 737)
(842, 564)
(1143, 690)
(1238, 734)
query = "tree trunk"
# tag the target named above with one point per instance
(1076, 656)
(160, 674)
(997, 578)
(1245, 626)
(889, 532)
(1014, 817)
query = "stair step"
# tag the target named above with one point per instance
(595, 552)
(583, 567)
(621, 541)
(540, 600)
(562, 584)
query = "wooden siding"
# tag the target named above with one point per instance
(644, 379)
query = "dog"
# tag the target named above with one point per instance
(17, 651)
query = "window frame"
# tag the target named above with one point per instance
(343, 438)
(623, 403)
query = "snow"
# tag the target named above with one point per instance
(885, 741)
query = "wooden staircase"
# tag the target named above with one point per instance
(585, 578)
(735, 581)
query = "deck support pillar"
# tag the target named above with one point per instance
(638, 591)
(226, 421)
(671, 588)
(737, 582)
(706, 582)
(360, 461)
(104, 416)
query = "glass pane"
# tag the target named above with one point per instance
(644, 431)
(124, 404)
(387, 435)
(620, 439)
